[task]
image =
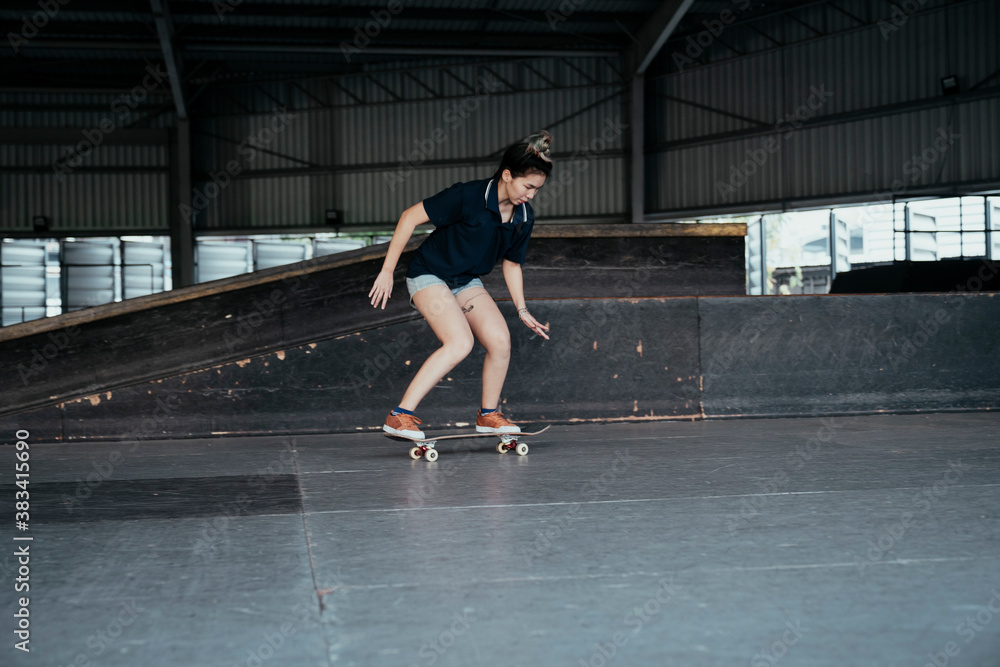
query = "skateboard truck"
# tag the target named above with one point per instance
(425, 451)
(509, 442)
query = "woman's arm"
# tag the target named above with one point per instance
(515, 285)
(411, 218)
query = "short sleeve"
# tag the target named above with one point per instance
(519, 248)
(445, 207)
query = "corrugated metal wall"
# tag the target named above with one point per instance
(85, 202)
(114, 187)
(872, 102)
(82, 110)
(278, 155)
(371, 160)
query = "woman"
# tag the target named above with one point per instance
(477, 224)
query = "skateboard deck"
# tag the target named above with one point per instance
(424, 448)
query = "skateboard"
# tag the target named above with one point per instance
(425, 448)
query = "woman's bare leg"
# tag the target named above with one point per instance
(441, 310)
(490, 328)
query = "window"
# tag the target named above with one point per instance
(790, 253)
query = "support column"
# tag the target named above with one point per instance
(181, 215)
(637, 129)
(989, 228)
(648, 42)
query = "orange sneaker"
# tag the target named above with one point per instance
(495, 422)
(405, 426)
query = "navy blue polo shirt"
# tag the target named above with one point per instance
(469, 238)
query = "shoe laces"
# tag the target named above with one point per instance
(411, 419)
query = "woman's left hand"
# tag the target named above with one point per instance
(533, 324)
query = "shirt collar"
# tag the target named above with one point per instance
(492, 199)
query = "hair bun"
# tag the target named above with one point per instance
(541, 143)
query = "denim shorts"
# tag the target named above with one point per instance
(414, 285)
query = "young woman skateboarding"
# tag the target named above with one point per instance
(477, 224)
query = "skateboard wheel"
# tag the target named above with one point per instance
(431, 455)
(521, 449)
(416, 453)
(502, 447)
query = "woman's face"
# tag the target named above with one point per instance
(523, 188)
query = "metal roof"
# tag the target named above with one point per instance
(108, 43)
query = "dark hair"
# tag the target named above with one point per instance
(530, 155)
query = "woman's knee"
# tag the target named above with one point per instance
(497, 343)
(459, 346)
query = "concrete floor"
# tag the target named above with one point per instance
(841, 541)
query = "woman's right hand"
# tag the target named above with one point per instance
(382, 289)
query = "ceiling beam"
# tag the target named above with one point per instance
(654, 33)
(92, 44)
(255, 47)
(266, 13)
(428, 50)
(57, 136)
(165, 31)
(416, 50)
